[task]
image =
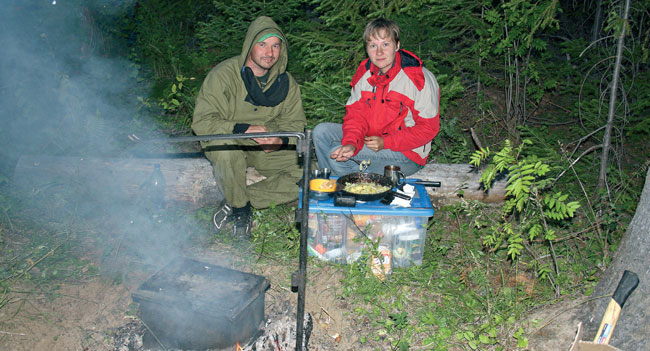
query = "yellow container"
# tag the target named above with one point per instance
(323, 185)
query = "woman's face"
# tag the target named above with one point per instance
(381, 50)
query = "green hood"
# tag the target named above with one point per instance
(260, 27)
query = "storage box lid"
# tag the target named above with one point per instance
(201, 287)
(420, 205)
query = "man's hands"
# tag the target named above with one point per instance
(267, 144)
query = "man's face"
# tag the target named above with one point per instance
(381, 51)
(264, 55)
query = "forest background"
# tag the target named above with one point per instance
(554, 92)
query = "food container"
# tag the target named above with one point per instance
(374, 179)
(192, 305)
(321, 189)
(339, 234)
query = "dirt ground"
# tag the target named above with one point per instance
(94, 314)
(554, 327)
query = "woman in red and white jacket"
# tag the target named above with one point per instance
(392, 114)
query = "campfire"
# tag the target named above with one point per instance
(278, 333)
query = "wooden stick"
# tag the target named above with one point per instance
(475, 138)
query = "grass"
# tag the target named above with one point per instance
(450, 302)
(461, 298)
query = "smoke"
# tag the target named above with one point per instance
(61, 91)
(67, 91)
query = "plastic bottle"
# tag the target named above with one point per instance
(156, 190)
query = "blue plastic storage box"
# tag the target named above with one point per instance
(338, 234)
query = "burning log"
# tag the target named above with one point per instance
(279, 334)
(190, 179)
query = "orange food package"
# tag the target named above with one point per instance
(321, 250)
(381, 266)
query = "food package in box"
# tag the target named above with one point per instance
(340, 238)
(327, 234)
(382, 265)
(407, 250)
(408, 239)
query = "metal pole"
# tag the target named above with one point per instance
(182, 139)
(304, 232)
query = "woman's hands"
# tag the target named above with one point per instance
(343, 153)
(374, 143)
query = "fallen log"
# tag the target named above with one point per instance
(190, 179)
(460, 181)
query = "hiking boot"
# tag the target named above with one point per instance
(222, 217)
(242, 224)
(238, 220)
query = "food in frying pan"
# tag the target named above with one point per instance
(365, 188)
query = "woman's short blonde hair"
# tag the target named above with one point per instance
(376, 26)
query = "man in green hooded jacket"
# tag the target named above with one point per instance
(251, 93)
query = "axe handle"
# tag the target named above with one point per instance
(625, 287)
(608, 323)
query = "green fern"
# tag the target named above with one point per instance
(515, 245)
(479, 156)
(530, 209)
(534, 231)
(557, 208)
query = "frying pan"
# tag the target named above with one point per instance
(360, 177)
(364, 178)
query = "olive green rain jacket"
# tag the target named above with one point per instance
(221, 102)
(225, 104)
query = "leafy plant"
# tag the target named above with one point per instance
(531, 208)
(512, 34)
(179, 103)
(163, 33)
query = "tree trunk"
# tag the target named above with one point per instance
(595, 30)
(607, 138)
(633, 327)
(190, 180)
